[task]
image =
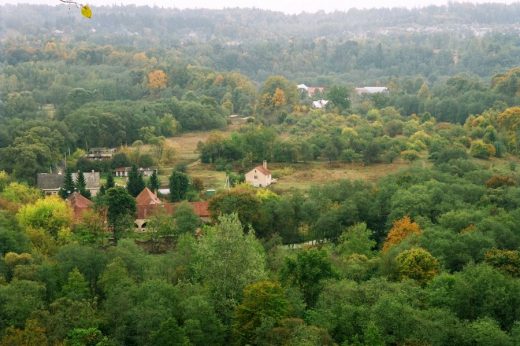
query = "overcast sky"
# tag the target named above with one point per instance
(288, 6)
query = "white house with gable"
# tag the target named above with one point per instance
(259, 176)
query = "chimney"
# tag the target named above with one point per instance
(265, 164)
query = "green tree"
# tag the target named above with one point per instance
(76, 287)
(135, 183)
(68, 186)
(186, 221)
(169, 334)
(263, 300)
(339, 97)
(81, 185)
(121, 210)
(153, 183)
(227, 261)
(356, 239)
(307, 272)
(179, 184)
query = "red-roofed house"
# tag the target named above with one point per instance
(148, 203)
(79, 204)
(259, 176)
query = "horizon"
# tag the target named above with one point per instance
(287, 7)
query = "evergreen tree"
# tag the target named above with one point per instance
(153, 184)
(68, 186)
(135, 182)
(179, 183)
(110, 182)
(81, 185)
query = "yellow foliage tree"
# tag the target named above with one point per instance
(417, 264)
(157, 79)
(509, 121)
(279, 98)
(401, 229)
(50, 214)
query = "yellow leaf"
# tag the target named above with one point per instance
(86, 11)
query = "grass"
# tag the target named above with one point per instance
(303, 176)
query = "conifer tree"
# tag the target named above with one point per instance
(135, 182)
(153, 184)
(68, 186)
(81, 185)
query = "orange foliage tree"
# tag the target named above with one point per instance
(157, 79)
(401, 229)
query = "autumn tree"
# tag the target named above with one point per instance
(50, 214)
(157, 79)
(400, 230)
(417, 264)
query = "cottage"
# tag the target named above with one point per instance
(51, 183)
(79, 204)
(148, 204)
(259, 176)
(125, 171)
(101, 153)
(309, 90)
(320, 104)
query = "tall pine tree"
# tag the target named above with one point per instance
(153, 184)
(135, 182)
(68, 186)
(179, 183)
(81, 185)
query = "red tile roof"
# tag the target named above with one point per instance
(201, 209)
(263, 170)
(147, 197)
(79, 204)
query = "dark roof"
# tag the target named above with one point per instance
(48, 181)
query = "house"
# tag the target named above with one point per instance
(148, 204)
(79, 204)
(371, 90)
(101, 153)
(320, 104)
(51, 183)
(125, 171)
(259, 176)
(309, 90)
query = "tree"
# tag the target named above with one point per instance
(417, 264)
(50, 214)
(227, 261)
(32, 334)
(307, 273)
(263, 301)
(339, 97)
(356, 239)
(178, 183)
(81, 185)
(157, 79)
(153, 184)
(507, 261)
(186, 221)
(110, 182)
(169, 334)
(76, 287)
(121, 210)
(68, 186)
(135, 183)
(401, 229)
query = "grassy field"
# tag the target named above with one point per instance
(303, 176)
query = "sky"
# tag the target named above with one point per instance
(287, 6)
